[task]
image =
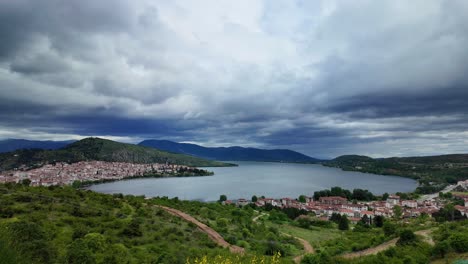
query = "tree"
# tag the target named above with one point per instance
(442, 248)
(335, 218)
(302, 198)
(222, 198)
(385, 196)
(344, 223)
(365, 220)
(222, 222)
(133, 229)
(79, 253)
(397, 212)
(389, 228)
(406, 237)
(30, 240)
(26, 182)
(378, 220)
(459, 242)
(254, 199)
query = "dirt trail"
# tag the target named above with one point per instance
(258, 216)
(212, 234)
(308, 249)
(387, 245)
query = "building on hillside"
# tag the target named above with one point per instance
(392, 200)
(242, 202)
(409, 203)
(355, 207)
(463, 209)
(333, 200)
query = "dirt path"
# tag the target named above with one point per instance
(387, 245)
(212, 234)
(308, 249)
(258, 216)
(426, 234)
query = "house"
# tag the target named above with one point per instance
(392, 200)
(347, 212)
(409, 203)
(355, 207)
(369, 214)
(463, 210)
(242, 202)
(333, 200)
(286, 202)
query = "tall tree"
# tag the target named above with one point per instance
(344, 223)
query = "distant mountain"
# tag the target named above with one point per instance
(99, 149)
(230, 153)
(14, 144)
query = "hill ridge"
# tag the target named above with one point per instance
(99, 149)
(234, 153)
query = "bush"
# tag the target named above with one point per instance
(406, 237)
(344, 223)
(79, 253)
(459, 242)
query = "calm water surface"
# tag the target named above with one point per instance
(260, 178)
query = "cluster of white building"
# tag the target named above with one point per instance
(326, 206)
(64, 173)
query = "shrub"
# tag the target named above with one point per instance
(459, 242)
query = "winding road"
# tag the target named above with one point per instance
(384, 246)
(308, 249)
(212, 234)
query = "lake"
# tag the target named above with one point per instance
(271, 179)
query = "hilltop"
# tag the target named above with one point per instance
(13, 144)
(230, 153)
(99, 149)
(433, 172)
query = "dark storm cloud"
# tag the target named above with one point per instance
(326, 78)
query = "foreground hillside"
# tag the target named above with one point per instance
(433, 172)
(65, 225)
(99, 149)
(231, 153)
(8, 145)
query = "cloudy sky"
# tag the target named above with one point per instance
(380, 78)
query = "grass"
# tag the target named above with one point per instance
(314, 236)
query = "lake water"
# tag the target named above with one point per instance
(274, 180)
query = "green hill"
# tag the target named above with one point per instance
(99, 149)
(433, 172)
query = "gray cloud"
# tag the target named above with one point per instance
(326, 78)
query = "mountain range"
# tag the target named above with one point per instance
(99, 149)
(216, 153)
(14, 144)
(230, 153)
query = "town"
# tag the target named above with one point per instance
(325, 207)
(89, 171)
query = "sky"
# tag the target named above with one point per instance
(326, 78)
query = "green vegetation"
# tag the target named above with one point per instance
(356, 194)
(432, 172)
(66, 225)
(99, 149)
(237, 227)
